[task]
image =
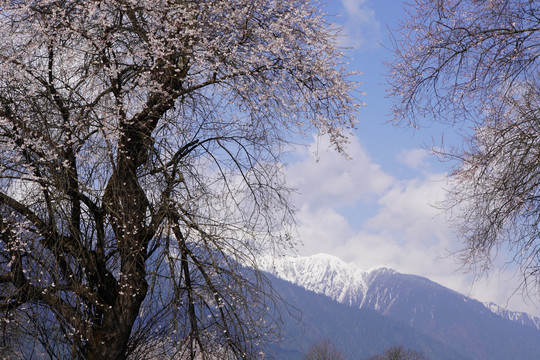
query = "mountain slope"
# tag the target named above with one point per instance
(357, 333)
(343, 283)
(520, 317)
(428, 308)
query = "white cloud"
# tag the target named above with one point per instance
(403, 220)
(413, 158)
(406, 233)
(409, 210)
(361, 25)
(322, 230)
(327, 179)
(401, 228)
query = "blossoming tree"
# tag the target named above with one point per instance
(475, 65)
(140, 168)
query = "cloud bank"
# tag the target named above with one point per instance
(355, 210)
(362, 29)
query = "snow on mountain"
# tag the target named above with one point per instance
(377, 288)
(520, 317)
(323, 274)
(459, 322)
(344, 282)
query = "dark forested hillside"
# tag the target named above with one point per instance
(357, 333)
(363, 313)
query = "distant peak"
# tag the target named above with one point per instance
(324, 256)
(272, 263)
(378, 288)
(382, 270)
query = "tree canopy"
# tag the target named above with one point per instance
(399, 353)
(140, 169)
(323, 350)
(475, 65)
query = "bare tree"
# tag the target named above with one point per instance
(323, 350)
(475, 64)
(399, 353)
(140, 171)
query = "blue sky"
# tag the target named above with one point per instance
(378, 208)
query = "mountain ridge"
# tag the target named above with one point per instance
(453, 319)
(347, 279)
(357, 333)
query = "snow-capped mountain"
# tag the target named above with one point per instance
(348, 284)
(451, 318)
(520, 317)
(357, 333)
(342, 282)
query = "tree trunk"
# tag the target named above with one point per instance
(112, 337)
(127, 206)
